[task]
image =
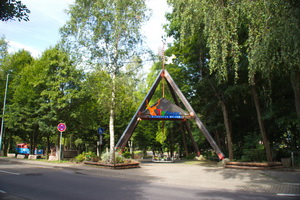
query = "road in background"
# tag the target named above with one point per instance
(35, 180)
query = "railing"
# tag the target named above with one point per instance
(295, 157)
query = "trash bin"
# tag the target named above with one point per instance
(286, 162)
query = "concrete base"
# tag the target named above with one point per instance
(11, 155)
(20, 156)
(53, 158)
(33, 157)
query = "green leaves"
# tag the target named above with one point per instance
(105, 33)
(9, 10)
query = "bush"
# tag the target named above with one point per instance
(80, 158)
(191, 156)
(85, 156)
(118, 157)
(127, 155)
(253, 149)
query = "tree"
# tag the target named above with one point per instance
(59, 85)
(107, 34)
(44, 93)
(14, 65)
(10, 9)
(252, 35)
(3, 49)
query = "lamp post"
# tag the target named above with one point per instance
(4, 102)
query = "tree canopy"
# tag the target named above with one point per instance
(13, 9)
(236, 62)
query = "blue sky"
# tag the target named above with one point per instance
(47, 16)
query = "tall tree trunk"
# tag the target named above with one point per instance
(48, 146)
(261, 123)
(217, 135)
(111, 119)
(228, 128)
(227, 122)
(31, 142)
(195, 146)
(295, 80)
(9, 142)
(186, 151)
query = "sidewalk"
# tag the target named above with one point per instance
(192, 175)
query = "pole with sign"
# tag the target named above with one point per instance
(100, 132)
(61, 128)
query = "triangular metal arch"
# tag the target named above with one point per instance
(174, 91)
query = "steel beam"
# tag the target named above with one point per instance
(192, 112)
(134, 121)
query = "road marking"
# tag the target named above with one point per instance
(292, 183)
(1, 191)
(7, 172)
(288, 195)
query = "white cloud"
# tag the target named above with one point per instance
(47, 16)
(42, 31)
(15, 46)
(153, 29)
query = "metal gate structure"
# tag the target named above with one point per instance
(176, 94)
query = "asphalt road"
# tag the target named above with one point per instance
(21, 181)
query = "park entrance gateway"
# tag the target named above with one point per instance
(165, 110)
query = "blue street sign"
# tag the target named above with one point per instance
(100, 130)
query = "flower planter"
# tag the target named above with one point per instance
(114, 166)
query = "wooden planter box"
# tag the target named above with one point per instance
(114, 166)
(253, 165)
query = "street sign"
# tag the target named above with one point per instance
(101, 140)
(61, 127)
(100, 131)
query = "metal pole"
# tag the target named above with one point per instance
(100, 143)
(60, 146)
(4, 103)
(292, 156)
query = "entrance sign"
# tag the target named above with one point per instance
(154, 112)
(164, 110)
(61, 127)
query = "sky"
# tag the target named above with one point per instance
(47, 16)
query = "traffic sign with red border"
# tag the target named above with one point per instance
(61, 127)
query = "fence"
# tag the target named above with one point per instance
(295, 157)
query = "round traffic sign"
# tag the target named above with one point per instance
(61, 127)
(100, 131)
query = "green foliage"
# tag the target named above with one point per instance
(218, 48)
(85, 156)
(262, 32)
(78, 142)
(13, 9)
(80, 158)
(253, 149)
(118, 157)
(225, 47)
(105, 35)
(126, 155)
(106, 32)
(3, 49)
(191, 156)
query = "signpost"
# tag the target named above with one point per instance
(100, 132)
(61, 128)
